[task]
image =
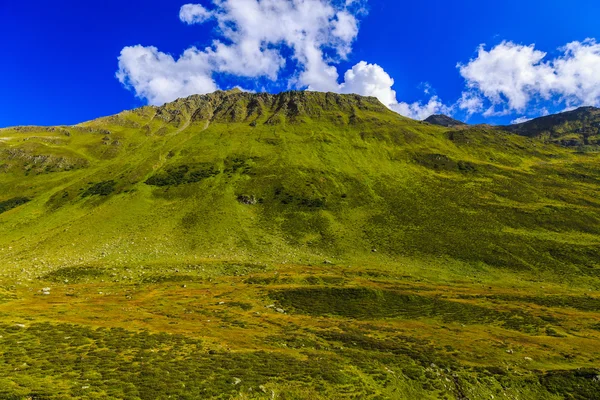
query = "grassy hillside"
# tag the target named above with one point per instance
(304, 245)
(578, 128)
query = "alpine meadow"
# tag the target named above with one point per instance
(303, 245)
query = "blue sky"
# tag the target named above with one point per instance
(60, 59)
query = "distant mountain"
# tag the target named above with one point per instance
(575, 128)
(444, 120)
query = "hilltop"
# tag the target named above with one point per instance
(299, 245)
(444, 120)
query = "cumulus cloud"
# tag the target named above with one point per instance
(420, 111)
(578, 73)
(194, 14)
(372, 80)
(369, 80)
(250, 42)
(510, 76)
(157, 77)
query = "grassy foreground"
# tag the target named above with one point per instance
(299, 246)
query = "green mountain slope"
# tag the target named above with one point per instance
(237, 175)
(576, 128)
(369, 231)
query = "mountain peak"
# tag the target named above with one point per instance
(235, 90)
(444, 120)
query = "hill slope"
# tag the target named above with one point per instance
(577, 128)
(237, 175)
(302, 233)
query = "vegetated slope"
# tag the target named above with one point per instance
(297, 176)
(443, 120)
(576, 128)
(302, 245)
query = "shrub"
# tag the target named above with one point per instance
(13, 203)
(182, 174)
(100, 189)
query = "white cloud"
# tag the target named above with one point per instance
(508, 72)
(157, 77)
(345, 27)
(369, 80)
(471, 102)
(252, 35)
(520, 120)
(372, 80)
(420, 110)
(510, 76)
(578, 73)
(194, 14)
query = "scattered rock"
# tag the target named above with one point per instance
(529, 359)
(248, 200)
(280, 310)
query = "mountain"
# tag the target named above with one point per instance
(577, 128)
(299, 245)
(444, 120)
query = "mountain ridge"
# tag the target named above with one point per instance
(238, 106)
(574, 128)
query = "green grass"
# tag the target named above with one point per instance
(409, 260)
